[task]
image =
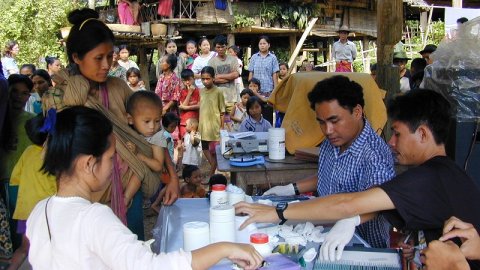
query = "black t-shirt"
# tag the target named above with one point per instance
(427, 195)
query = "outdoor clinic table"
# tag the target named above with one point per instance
(275, 172)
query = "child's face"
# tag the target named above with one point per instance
(253, 86)
(164, 65)
(255, 111)
(188, 82)
(196, 177)
(171, 127)
(191, 49)
(245, 99)
(189, 127)
(133, 79)
(231, 52)
(283, 70)
(146, 118)
(207, 80)
(171, 48)
(124, 54)
(205, 47)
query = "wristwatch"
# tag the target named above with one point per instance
(281, 207)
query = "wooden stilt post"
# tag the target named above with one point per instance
(143, 65)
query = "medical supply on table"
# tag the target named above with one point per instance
(196, 234)
(222, 223)
(243, 236)
(363, 258)
(276, 143)
(218, 196)
(260, 242)
(235, 194)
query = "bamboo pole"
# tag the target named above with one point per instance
(300, 43)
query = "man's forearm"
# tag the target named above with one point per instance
(308, 184)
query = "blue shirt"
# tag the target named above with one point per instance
(263, 68)
(366, 163)
(249, 124)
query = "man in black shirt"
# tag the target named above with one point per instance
(420, 199)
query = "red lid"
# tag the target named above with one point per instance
(259, 238)
(218, 187)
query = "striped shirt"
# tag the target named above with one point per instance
(366, 163)
(263, 68)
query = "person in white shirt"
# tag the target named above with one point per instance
(71, 231)
(344, 51)
(191, 144)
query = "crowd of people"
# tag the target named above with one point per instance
(84, 146)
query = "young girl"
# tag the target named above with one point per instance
(123, 58)
(254, 121)
(189, 100)
(240, 110)
(283, 70)
(168, 85)
(191, 48)
(192, 175)
(171, 48)
(202, 60)
(212, 109)
(70, 231)
(267, 110)
(134, 79)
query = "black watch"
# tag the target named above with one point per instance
(281, 207)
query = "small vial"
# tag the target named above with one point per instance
(260, 242)
(218, 196)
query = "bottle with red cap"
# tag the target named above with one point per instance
(219, 195)
(260, 242)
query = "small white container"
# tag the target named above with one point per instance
(218, 196)
(195, 235)
(260, 242)
(243, 236)
(222, 224)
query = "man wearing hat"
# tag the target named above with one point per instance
(344, 51)
(400, 59)
(430, 48)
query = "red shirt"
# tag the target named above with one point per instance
(194, 100)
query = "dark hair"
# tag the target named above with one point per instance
(186, 74)
(169, 118)
(133, 70)
(255, 81)
(283, 64)
(171, 60)
(220, 39)
(7, 51)
(142, 95)
(217, 179)
(78, 131)
(44, 74)
(50, 60)
(116, 49)
(235, 48)
(347, 93)
(170, 41)
(462, 20)
(266, 38)
(33, 126)
(123, 47)
(208, 70)
(191, 41)
(373, 67)
(246, 91)
(418, 64)
(188, 171)
(251, 101)
(32, 67)
(86, 33)
(422, 106)
(19, 78)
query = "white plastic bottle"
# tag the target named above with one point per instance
(218, 196)
(260, 242)
(222, 223)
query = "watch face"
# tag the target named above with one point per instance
(282, 205)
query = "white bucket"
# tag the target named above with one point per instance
(276, 143)
(195, 235)
(243, 236)
(222, 224)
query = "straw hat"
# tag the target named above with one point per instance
(400, 55)
(344, 28)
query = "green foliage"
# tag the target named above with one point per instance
(436, 34)
(240, 21)
(35, 26)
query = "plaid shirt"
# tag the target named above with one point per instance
(263, 69)
(368, 162)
